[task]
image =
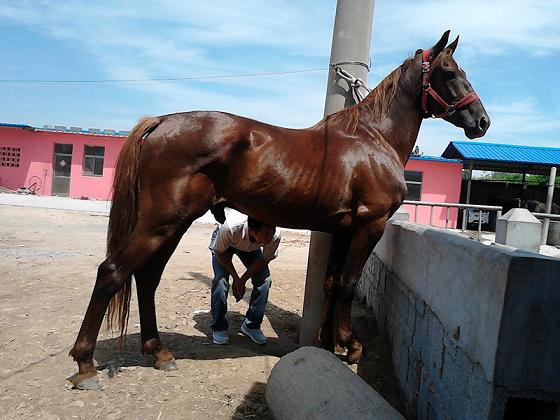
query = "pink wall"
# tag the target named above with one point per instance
(36, 157)
(441, 182)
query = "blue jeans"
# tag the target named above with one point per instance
(220, 287)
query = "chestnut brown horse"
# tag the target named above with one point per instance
(345, 176)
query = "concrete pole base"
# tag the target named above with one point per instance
(518, 228)
(312, 383)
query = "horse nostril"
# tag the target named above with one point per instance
(483, 124)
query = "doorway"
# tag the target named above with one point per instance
(62, 164)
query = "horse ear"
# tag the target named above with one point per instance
(453, 45)
(436, 49)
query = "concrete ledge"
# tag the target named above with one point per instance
(471, 326)
(311, 383)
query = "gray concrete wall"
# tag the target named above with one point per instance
(470, 325)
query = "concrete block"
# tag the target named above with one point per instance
(311, 383)
(401, 214)
(553, 237)
(518, 228)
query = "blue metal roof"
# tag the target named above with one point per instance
(507, 153)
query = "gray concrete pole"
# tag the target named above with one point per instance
(351, 44)
(549, 196)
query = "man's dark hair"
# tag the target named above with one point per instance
(255, 224)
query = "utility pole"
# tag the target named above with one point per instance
(351, 48)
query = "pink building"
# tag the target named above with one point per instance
(80, 163)
(59, 161)
(435, 179)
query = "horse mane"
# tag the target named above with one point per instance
(374, 105)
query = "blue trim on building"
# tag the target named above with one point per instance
(71, 130)
(435, 159)
(23, 126)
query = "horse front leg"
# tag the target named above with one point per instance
(362, 244)
(337, 256)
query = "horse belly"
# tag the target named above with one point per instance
(302, 201)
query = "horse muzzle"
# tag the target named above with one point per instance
(478, 128)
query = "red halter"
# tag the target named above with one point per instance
(428, 90)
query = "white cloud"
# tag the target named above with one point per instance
(486, 27)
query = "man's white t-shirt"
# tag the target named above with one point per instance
(235, 233)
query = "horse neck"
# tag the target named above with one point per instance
(400, 122)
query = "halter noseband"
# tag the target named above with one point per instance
(428, 90)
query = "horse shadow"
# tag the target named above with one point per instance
(200, 346)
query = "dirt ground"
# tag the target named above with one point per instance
(48, 261)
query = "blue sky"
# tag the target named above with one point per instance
(510, 50)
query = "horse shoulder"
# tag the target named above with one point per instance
(380, 186)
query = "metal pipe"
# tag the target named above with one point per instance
(479, 223)
(454, 205)
(549, 196)
(468, 198)
(546, 216)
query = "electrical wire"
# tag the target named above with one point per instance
(162, 79)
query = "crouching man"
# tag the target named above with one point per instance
(255, 244)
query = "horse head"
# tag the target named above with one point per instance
(447, 93)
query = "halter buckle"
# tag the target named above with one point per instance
(450, 110)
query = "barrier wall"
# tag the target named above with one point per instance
(474, 329)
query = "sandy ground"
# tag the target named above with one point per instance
(48, 260)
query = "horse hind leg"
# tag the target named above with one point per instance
(112, 274)
(154, 230)
(147, 280)
(194, 201)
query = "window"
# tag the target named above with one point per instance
(62, 160)
(64, 149)
(9, 156)
(413, 184)
(93, 160)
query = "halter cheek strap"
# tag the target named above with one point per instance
(428, 90)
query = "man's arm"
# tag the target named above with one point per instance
(254, 268)
(225, 259)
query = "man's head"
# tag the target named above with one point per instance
(260, 232)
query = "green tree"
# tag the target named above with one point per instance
(518, 178)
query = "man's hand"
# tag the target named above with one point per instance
(238, 288)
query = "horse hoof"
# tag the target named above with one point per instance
(91, 383)
(167, 366)
(355, 353)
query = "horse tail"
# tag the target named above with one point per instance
(124, 214)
